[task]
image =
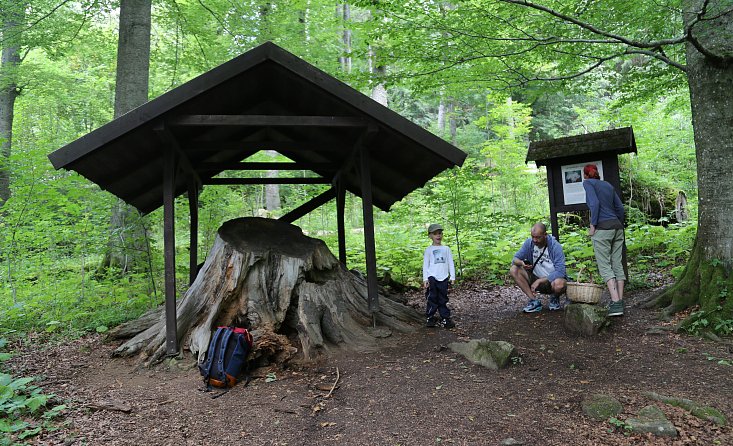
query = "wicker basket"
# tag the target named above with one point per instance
(587, 293)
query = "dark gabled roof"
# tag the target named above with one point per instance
(612, 141)
(245, 105)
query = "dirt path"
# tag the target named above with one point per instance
(413, 391)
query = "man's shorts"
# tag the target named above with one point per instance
(544, 288)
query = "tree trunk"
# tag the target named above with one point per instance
(707, 279)
(10, 27)
(345, 58)
(285, 287)
(128, 240)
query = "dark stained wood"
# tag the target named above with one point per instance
(255, 146)
(266, 166)
(193, 208)
(615, 141)
(340, 226)
(300, 180)
(309, 206)
(369, 245)
(269, 120)
(169, 248)
(169, 140)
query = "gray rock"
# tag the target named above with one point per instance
(601, 407)
(651, 419)
(511, 442)
(585, 319)
(490, 354)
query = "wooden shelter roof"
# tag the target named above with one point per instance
(609, 141)
(264, 99)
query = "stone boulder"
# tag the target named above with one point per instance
(601, 407)
(585, 319)
(652, 420)
(490, 354)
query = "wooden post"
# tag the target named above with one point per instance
(368, 212)
(193, 207)
(340, 208)
(553, 202)
(169, 242)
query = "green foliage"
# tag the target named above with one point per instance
(24, 409)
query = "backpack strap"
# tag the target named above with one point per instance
(210, 356)
(220, 363)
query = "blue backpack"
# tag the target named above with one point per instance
(226, 357)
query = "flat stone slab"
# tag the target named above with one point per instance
(652, 420)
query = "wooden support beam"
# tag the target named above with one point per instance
(340, 226)
(269, 120)
(193, 208)
(169, 139)
(300, 180)
(256, 146)
(217, 167)
(309, 206)
(169, 250)
(369, 245)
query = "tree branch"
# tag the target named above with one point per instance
(700, 17)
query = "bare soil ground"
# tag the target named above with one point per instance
(412, 391)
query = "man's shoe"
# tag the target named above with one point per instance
(447, 323)
(616, 308)
(533, 306)
(554, 303)
(431, 322)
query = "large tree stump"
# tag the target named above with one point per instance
(269, 277)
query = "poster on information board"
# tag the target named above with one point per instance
(572, 181)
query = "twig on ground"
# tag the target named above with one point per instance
(338, 375)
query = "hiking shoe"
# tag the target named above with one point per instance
(554, 303)
(533, 306)
(447, 323)
(431, 322)
(616, 308)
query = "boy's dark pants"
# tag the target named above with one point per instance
(437, 296)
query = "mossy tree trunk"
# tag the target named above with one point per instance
(707, 280)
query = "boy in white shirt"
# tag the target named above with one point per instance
(437, 270)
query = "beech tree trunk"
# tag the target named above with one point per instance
(127, 244)
(286, 288)
(10, 31)
(708, 276)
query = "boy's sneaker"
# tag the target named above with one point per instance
(431, 322)
(533, 306)
(447, 323)
(616, 308)
(554, 303)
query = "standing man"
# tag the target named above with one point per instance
(539, 267)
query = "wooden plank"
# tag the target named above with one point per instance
(269, 120)
(369, 244)
(193, 207)
(169, 140)
(217, 167)
(340, 225)
(309, 206)
(299, 180)
(256, 146)
(169, 249)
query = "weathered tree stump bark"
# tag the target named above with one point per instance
(269, 277)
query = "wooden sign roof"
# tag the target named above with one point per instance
(609, 141)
